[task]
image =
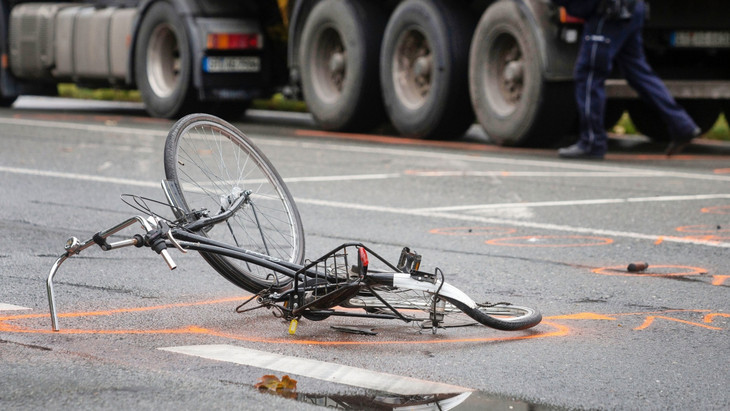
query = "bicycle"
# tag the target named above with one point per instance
(232, 206)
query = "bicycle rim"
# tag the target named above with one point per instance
(415, 306)
(211, 161)
(419, 307)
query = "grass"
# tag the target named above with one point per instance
(720, 131)
(71, 91)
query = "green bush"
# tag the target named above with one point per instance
(719, 131)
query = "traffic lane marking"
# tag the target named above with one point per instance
(570, 203)
(436, 213)
(321, 370)
(510, 222)
(11, 307)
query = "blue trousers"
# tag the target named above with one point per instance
(604, 43)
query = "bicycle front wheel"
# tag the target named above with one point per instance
(210, 163)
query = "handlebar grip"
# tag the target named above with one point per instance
(166, 256)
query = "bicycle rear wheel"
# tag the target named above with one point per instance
(210, 163)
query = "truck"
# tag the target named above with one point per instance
(429, 68)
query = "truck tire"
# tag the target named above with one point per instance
(513, 102)
(338, 60)
(423, 69)
(163, 63)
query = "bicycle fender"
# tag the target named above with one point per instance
(402, 280)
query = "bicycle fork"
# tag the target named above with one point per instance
(73, 246)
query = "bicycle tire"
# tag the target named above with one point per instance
(209, 160)
(500, 316)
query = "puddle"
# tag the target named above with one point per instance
(472, 400)
(464, 401)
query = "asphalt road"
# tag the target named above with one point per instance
(503, 224)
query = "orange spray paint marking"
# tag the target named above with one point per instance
(719, 279)
(717, 210)
(548, 329)
(472, 231)
(582, 316)
(710, 317)
(543, 241)
(621, 271)
(706, 229)
(650, 320)
(659, 240)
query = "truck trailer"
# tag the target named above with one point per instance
(431, 68)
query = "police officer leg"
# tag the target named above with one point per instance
(640, 76)
(592, 68)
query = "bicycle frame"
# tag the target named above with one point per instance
(159, 236)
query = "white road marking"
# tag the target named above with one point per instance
(11, 307)
(516, 223)
(597, 201)
(75, 176)
(137, 183)
(505, 173)
(439, 212)
(341, 178)
(83, 127)
(326, 371)
(436, 212)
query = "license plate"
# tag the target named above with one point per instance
(717, 39)
(231, 64)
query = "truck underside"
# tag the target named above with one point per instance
(431, 68)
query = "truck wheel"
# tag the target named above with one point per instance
(338, 59)
(423, 68)
(162, 63)
(512, 101)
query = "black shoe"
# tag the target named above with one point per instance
(678, 144)
(575, 152)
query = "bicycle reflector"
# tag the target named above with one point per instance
(362, 261)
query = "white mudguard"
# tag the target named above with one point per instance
(402, 280)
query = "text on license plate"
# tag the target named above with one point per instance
(701, 39)
(232, 64)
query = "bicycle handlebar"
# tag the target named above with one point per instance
(154, 238)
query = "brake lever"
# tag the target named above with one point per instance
(174, 242)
